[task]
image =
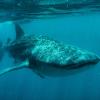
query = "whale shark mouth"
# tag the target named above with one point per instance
(79, 66)
(83, 60)
(74, 66)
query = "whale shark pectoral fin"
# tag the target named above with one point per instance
(17, 67)
(19, 31)
(39, 74)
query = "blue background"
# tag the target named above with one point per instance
(79, 30)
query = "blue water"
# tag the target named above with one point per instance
(79, 30)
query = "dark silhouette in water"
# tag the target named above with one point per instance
(45, 56)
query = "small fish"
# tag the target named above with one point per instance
(45, 56)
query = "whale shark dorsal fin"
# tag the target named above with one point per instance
(19, 31)
(16, 67)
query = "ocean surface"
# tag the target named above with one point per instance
(82, 30)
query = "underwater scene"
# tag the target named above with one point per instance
(49, 49)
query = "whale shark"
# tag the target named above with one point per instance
(46, 56)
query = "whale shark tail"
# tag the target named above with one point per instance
(14, 68)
